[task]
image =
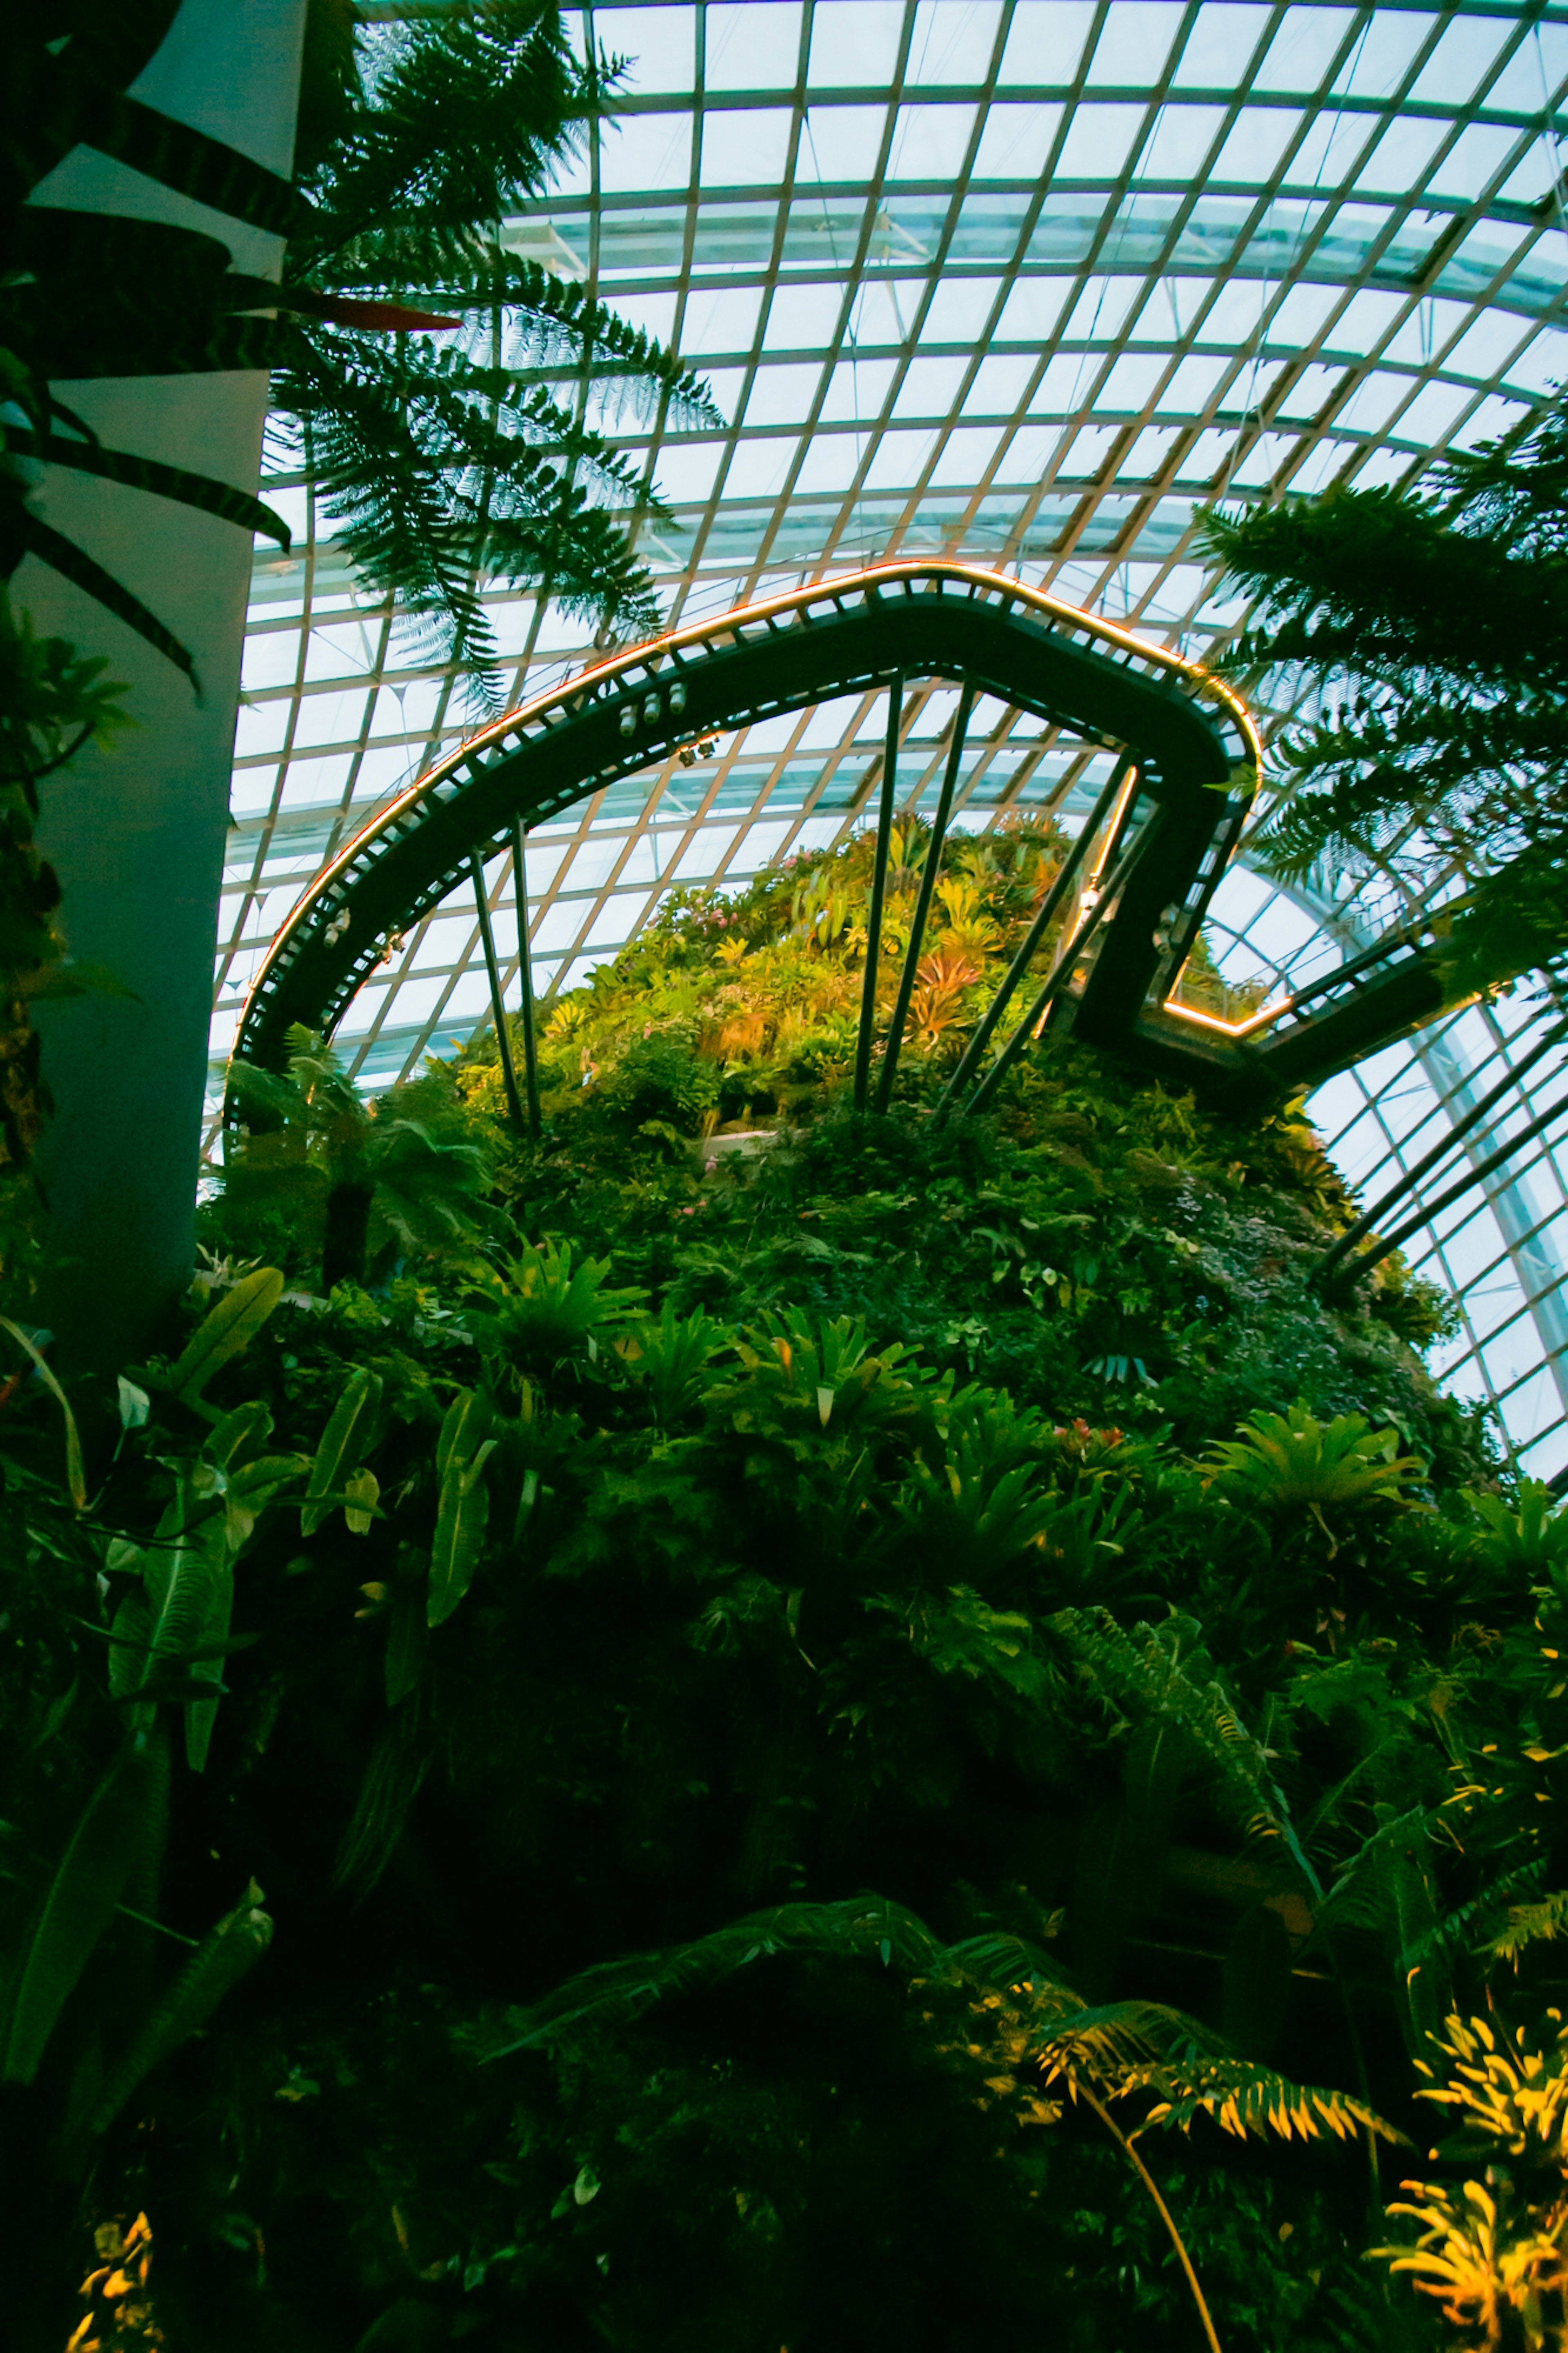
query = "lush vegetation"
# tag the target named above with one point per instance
(1423, 631)
(769, 1747)
(442, 463)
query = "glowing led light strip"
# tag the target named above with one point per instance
(1258, 1021)
(828, 590)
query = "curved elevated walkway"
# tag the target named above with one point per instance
(1146, 864)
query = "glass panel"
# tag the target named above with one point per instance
(842, 142)
(746, 148)
(1097, 141)
(1256, 144)
(1179, 144)
(1459, 65)
(1015, 144)
(1303, 50)
(1044, 42)
(1218, 50)
(748, 46)
(1383, 56)
(929, 142)
(1133, 44)
(952, 41)
(855, 44)
(645, 151)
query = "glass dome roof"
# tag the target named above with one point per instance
(1026, 282)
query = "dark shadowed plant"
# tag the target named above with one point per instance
(1422, 632)
(349, 1174)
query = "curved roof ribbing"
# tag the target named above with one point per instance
(1023, 282)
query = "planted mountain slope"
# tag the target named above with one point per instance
(650, 1559)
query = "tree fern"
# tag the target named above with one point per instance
(1429, 629)
(438, 471)
(1025, 2014)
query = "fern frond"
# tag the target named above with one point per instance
(1252, 2102)
(1143, 1671)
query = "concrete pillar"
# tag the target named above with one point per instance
(137, 834)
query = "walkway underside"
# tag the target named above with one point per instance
(1102, 958)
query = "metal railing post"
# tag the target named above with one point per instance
(525, 974)
(1061, 971)
(878, 889)
(1029, 947)
(498, 1003)
(923, 903)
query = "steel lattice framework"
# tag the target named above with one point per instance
(1020, 283)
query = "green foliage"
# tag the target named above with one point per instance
(444, 467)
(537, 1307)
(441, 467)
(81, 1902)
(1422, 626)
(1492, 2250)
(661, 1553)
(1283, 1463)
(355, 1179)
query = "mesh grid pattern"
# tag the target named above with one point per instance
(1026, 281)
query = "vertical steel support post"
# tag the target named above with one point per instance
(525, 971)
(878, 890)
(1029, 946)
(1410, 1177)
(497, 1002)
(922, 904)
(1061, 971)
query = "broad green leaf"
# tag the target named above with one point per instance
(343, 1441)
(204, 1665)
(133, 1633)
(135, 1405)
(238, 1433)
(75, 1475)
(79, 1905)
(360, 1515)
(223, 1956)
(467, 1420)
(460, 1534)
(225, 1330)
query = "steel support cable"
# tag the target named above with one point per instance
(1367, 1222)
(1407, 935)
(1348, 1276)
(498, 1003)
(1029, 948)
(878, 889)
(922, 904)
(525, 972)
(1062, 970)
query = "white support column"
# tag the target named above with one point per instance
(137, 835)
